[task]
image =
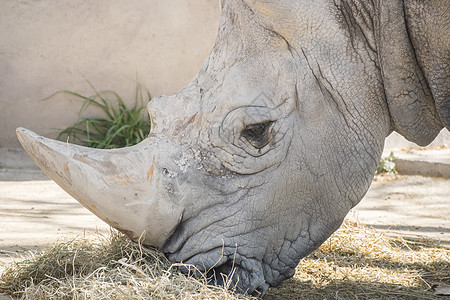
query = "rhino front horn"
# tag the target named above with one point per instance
(120, 186)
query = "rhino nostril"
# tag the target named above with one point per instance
(168, 173)
(165, 171)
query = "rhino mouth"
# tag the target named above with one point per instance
(224, 266)
(231, 275)
(221, 275)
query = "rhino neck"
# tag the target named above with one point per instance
(407, 90)
(357, 17)
(429, 33)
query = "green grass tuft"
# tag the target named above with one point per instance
(121, 126)
(387, 165)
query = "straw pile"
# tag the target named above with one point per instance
(358, 263)
(355, 263)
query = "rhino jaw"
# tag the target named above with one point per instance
(120, 186)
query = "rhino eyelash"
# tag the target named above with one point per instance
(257, 134)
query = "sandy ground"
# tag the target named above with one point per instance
(35, 212)
(413, 207)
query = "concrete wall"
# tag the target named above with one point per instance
(47, 46)
(397, 142)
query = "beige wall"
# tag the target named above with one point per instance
(46, 46)
(396, 142)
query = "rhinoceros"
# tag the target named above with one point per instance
(255, 163)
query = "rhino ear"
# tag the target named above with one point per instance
(409, 98)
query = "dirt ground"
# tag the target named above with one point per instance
(413, 207)
(35, 212)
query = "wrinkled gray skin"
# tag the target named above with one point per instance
(280, 133)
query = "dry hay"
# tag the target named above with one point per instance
(358, 263)
(109, 268)
(355, 263)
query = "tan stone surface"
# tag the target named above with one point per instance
(414, 207)
(37, 213)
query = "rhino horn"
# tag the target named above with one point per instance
(116, 185)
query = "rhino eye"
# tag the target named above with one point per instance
(257, 134)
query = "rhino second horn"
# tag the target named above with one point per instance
(119, 185)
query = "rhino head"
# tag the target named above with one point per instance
(257, 161)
